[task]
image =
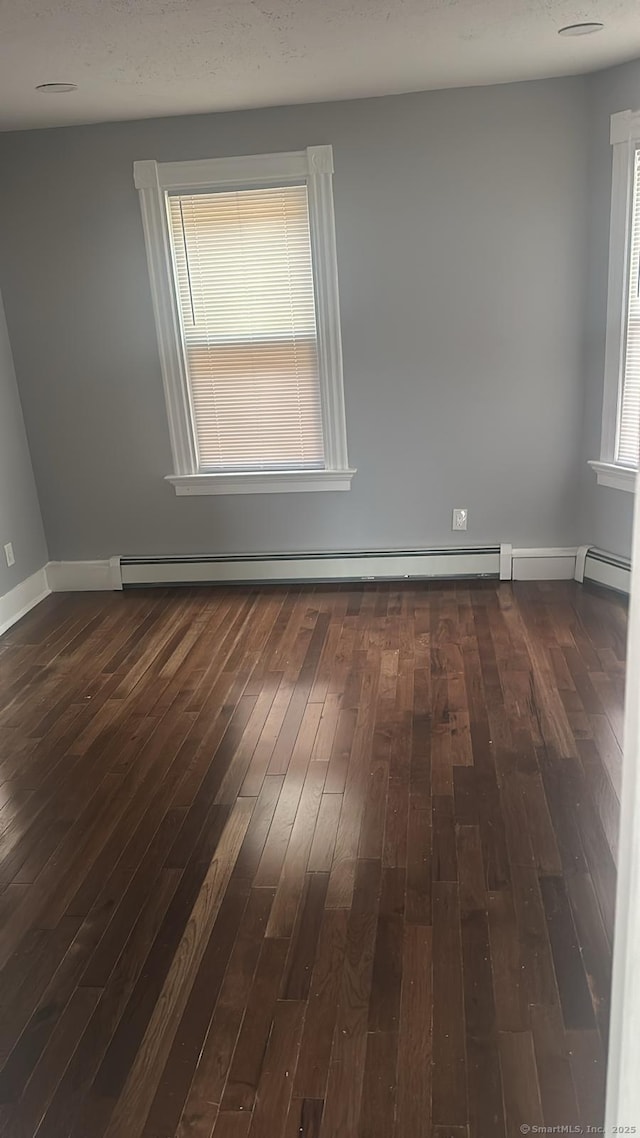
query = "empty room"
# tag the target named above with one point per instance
(319, 630)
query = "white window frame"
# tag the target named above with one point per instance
(625, 140)
(154, 181)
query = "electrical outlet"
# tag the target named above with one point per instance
(459, 520)
(8, 552)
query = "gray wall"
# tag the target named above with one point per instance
(606, 513)
(20, 521)
(461, 219)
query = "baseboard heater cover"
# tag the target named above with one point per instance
(387, 565)
(545, 564)
(607, 569)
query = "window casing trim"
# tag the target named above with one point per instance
(154, 181)
(625, 140)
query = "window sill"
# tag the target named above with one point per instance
(261, 482)
(610, 474)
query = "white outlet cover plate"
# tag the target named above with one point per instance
(459, 520)
(8, 552)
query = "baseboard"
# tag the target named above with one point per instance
(84, 576)
(606, 569)
(392, 565)
(545, 564)
(21, 599)
(503, 562)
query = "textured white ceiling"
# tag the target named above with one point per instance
(138, 58)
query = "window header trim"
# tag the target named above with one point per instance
(245, 170)
(625, 127)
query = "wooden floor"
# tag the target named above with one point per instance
(320, 862)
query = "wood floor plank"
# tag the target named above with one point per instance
(305, 1118)
(278, 1071)
(304, 943)
(293, 868)
(413, 1113)
(593, 944)
(284, 819)
(396, 824)
(325, 833)
(315, 1050)
(520, 1081)
(449, 1056)
(343, 871)
(537, 961)
(484, 1083)
(248, 1056)
(377, 1112)
(232, 1124)
(372, 829)
(507, 956)
(445, 858)
(575, 998)
(557, 1092)
(348, 1052)
(419, 863)
(588, 1064)
(384, 1002)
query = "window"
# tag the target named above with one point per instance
(242, 263)
(620, 450)
(628, 432)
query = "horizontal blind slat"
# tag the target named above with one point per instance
(244, 281)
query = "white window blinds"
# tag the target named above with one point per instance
(628, 443)
(244, 283)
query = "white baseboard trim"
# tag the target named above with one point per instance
(389, 565)
(545, 564)
(607, 569)
(84, 576)
(21, 599)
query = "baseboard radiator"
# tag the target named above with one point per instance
(393, 565)
(501, 562)
(602, 568)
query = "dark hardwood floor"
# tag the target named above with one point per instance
(325, 862)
